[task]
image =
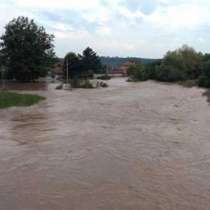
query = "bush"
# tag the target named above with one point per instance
(204, 81)
(138, 72)
(104, 77)
(182, 64)
(169, 73)
(79, 83)
(151, 69)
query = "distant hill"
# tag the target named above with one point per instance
(116, 61)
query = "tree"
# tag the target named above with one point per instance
(192, 61)
(172, 68)
(91, 62)
(182, 64)
(27, 49)
(74, 63)
(82, 66)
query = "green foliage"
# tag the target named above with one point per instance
(204, 79)
(74, 63)
(26, 49)
(192, 61)
(151, 69)
(182, 64)
(10, 99)
(169, 73)
(104, 77)
(138, 72)
(86, 84)
(82, 66)
(91, 62)
(81, 83)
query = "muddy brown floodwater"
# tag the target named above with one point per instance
(143, 146)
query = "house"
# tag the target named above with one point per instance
(122, 69)
(57, 68)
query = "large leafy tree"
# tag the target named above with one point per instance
(192, 61)
(27, 49)
(182, 64)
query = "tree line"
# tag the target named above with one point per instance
(183, 64)
(27, 53)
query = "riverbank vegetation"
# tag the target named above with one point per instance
(27, 53)
(10, 99)
(79, 68)
(182, 65)
(26, 50)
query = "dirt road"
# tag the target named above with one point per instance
(143, 146)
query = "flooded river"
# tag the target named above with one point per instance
(141, 146)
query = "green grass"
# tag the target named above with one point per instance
(10, 99)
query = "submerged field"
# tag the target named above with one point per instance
(128, 147)
(11, 99)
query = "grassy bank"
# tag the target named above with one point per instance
(10, 99)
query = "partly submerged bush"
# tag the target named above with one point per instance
(169, 73)
(138, 72)
(204, 79)
(151, 69)
(179, 65)
(81, 83)
(104, 77)
(85, 84)
(183, 65)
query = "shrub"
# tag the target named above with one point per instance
(182, 64)
(151, 69)
(104, 77)
(204, 79)
(84, 84)
(138, 72)
(169, 73)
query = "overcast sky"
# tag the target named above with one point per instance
(142, 28)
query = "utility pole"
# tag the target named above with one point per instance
(67, 86)
(67, 70)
